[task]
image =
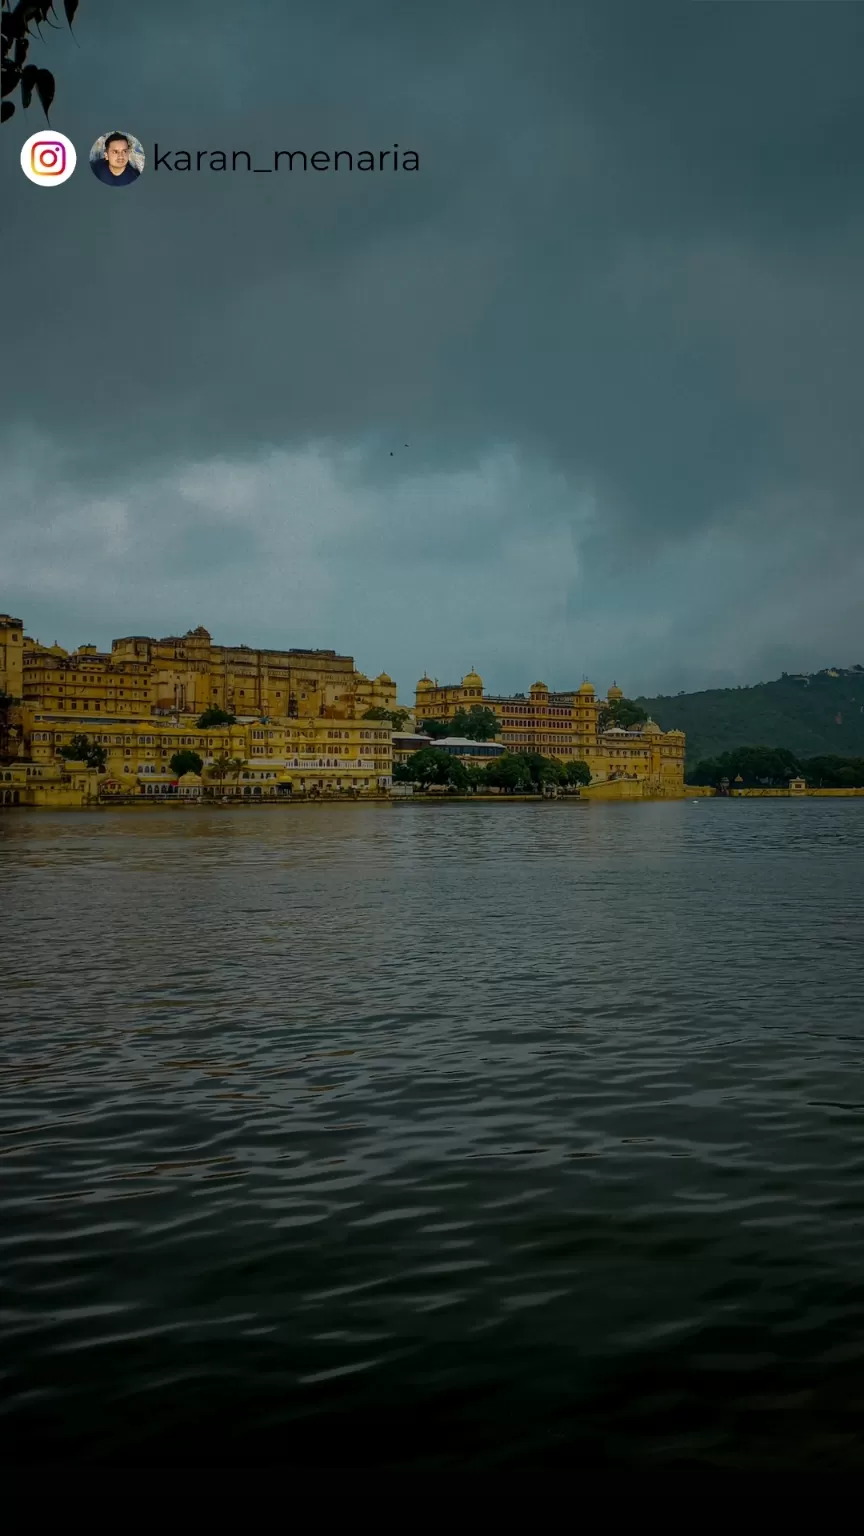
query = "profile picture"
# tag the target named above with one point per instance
(117, 158)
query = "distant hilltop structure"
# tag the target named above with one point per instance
(573, 725)
(805, 677)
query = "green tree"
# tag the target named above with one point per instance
(432, 766)
(19, 16)
(526, 772)
(769, 767)
(82, 750)
(509, 772)
(822, 771)
(477, 779)
(394, 717)
(435, 728)
(708, 771)
(544, 770)
(213, 715)
(219, 769)
(775, 766)
(8, 732)
(455, 775)
(235, 768)
(479, 723)
(831, 772)
(577, 773)
(186, 761)
(402, 774)
(620, 712)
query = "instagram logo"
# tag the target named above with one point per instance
(48, 159)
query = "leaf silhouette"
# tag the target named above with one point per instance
(28, 80)
(45, 89)
(14, 24)
(70, 7)
(7, 110)
(8, 79)
(39, 11)
(10, 27)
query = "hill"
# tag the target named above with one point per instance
(810, 713)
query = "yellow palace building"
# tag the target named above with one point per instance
(269, 757)
(567, 726)
(299, 725)
(186, 675)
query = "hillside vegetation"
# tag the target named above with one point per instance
(810, 714)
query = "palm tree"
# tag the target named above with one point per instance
(220, 768)
(235, 767)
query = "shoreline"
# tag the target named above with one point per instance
(694, 794)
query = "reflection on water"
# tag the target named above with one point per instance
(433, 1136)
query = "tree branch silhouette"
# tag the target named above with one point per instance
(18, 19)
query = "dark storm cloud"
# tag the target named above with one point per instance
(630, 261)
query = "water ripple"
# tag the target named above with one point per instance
(433, 1136)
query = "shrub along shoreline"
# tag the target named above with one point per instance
(773, 767)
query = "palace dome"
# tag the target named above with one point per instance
(472, 680)
(585, 688)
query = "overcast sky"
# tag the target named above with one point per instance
(583, 395)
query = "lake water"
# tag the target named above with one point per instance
(433, 1136)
